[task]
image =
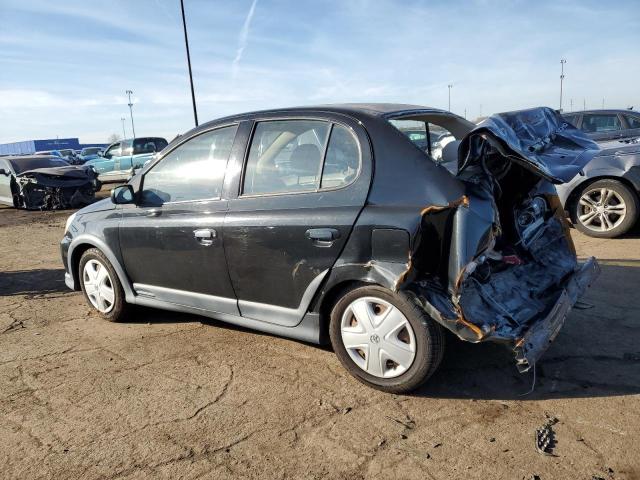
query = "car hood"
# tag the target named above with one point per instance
(99, 206)
(67, 172)
(539, 139)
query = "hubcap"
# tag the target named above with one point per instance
(98, 286)
(601, 209)
(378, 337)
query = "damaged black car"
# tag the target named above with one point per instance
(46, 182)
(328, 224)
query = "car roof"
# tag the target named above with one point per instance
(608, 110)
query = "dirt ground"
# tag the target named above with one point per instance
(177, 396)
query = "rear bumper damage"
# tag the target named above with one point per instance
(539, 337)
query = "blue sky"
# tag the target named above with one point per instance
(65, 64)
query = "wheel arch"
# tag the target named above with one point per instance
(84, 243)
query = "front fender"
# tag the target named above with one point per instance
(78, 246)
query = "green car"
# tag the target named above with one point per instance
(121, 159)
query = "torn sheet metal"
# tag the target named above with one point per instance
(512, 274)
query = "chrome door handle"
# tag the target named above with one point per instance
(155, 212)
(205, 236)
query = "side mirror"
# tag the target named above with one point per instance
(4, 172)
(122, 195)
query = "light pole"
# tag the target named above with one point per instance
(124, 133)
(186, 43)
(562, 62)
(571, 105)
(129, 92)
(449, 86)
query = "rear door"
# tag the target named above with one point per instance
(302, 185)
(172, 240)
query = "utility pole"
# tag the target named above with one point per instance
(562, 62)
(124, 133)
(129, 92)
(571, 105)
(584, 104)
(465, 113)
(480, 110)
(603, 103)
(186, 43)
(449, 86)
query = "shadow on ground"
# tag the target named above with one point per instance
(33, 282)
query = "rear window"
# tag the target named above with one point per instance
(25, 164)
(601, 123)
(428, 137)
(148, 145)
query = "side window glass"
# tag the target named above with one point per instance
(634, 122)
(285, 156)
(342, 160)
(112, 151)
(125, 148)
(148, 145)
(601, 123)
(193, 171)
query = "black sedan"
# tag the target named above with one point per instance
(328, 224)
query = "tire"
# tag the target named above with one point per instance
(397, 371)
(609, 219)
(114, 308)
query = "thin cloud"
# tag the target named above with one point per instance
(242, 41)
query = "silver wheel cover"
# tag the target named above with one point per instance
(601, 209)
(378, 337)
(98, 286)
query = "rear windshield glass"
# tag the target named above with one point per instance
(20, 165)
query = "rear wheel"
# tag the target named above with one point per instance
(101, 286)
(385, 340)
(605, 209)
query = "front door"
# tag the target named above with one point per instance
(172, 240)
(301, 193)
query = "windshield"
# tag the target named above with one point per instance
(21, 165)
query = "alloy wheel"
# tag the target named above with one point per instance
(378, 337)
(98, 286)
(601, 209)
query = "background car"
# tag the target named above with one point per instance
(122, 158)
(604, 201)
(275, 221)
(606, 124)
(90, 153)
(45, 182)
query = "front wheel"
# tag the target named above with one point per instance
(385, 340)
(101, 286)
(605, 209)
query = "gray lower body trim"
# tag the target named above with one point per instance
(287, 317)
(308, 330)
(200, 301)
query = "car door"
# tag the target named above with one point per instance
(105, 164)
(172, 239)
(602, 126)
(6, 196)
(302, 186)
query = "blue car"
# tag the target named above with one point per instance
(122, 158)
(89, 153)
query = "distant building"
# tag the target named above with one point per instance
(32, 146)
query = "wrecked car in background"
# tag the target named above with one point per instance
(43, 182)
(336, 227)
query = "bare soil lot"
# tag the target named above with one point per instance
(176, 396)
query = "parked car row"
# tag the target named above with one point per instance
(333, 225)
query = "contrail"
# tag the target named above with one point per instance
(242, 40)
